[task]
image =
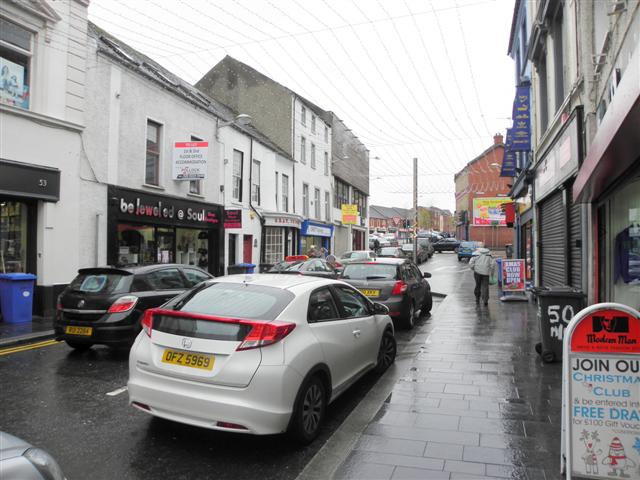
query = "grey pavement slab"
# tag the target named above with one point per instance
(474, 396)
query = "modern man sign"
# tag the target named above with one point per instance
(190, 160)
(601, 392)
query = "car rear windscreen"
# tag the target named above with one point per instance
(100, 283)
(237, 300)
(388, 251)
(187, 327)
(363, 271)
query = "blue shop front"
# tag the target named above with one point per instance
(316, 234)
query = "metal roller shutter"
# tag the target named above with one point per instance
(553, 241)
(575, 245)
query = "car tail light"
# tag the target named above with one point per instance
(263, 334)
(143, 406)
(147, 321)
(234, 426)
(399, 288)
(123, 304)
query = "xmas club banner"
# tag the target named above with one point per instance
(513, 275)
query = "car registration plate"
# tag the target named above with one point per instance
(370, 293)
(187, 359)
(84, 331)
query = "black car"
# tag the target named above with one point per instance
(394, 282)
(104, 305)
(446, 245)
(317, 267)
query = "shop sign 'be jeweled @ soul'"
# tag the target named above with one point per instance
(166, 211)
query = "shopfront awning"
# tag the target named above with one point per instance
(616, 145)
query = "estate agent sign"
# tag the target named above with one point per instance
(190, 160)
(601, 392)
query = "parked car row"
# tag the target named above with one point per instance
(209, 351)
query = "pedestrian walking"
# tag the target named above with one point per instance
(324, 252)
(312, 252)
(376, 245)
(483, 266)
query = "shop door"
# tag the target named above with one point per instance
(553, 241)
(247, 249)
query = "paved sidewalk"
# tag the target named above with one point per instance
(474, 401)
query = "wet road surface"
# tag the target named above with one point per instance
(74, 406)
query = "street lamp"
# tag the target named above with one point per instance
(241, 119)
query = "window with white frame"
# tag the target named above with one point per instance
(305, 200)
(273, 245)
(313, 156)
(255, 182)
(16, 49)
(313, 123)
(152, 165)
(326, 163)
(303, 115)
(236, 175)
(316, 203)
(285, 193)
(195, 186)
(303, 150)
(326, 134)
(327, 206)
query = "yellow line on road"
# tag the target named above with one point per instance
(31, 346)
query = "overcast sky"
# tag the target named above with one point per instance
(411, 78)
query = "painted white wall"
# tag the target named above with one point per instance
(315, 178)
(48, 134)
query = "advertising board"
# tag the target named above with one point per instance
(487, 211)
(601, 393)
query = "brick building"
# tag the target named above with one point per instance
(479, 193)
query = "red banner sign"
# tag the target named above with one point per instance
(607, 331)
(233, 219)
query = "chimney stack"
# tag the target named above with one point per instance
(497, 139)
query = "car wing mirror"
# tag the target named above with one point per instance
(380, 309)
(426, 275)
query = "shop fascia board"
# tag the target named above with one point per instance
(41, 119)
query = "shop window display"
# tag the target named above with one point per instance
(624, 244)
(192, 247)
(136, 245)
(13, 237)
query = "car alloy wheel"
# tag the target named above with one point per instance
(411, 317)
(309, 413)
(387, 353)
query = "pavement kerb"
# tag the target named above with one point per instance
(337, 448)
(26, 338)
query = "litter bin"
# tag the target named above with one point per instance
(241, 268)
(556, 307)
(16, 297)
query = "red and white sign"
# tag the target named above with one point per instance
(396, 221)
(513, 275)
(601, 393)
(190, 160)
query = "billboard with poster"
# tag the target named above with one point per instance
(487, 212)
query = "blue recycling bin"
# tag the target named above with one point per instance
(249, 267)
(16, 297)
(240, 268)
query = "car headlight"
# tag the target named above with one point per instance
(45, 464)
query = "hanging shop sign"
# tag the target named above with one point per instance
(508, 168)
(314, 229)
(512, 272)
(487, 211)
(190, 160)
(521, 131)
(601, 393)
(139, 206)
(349, 214)
(233, 219)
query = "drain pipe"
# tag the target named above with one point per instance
(262, 233)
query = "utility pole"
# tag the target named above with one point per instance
(415, 210)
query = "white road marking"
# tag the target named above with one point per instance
(117, 391)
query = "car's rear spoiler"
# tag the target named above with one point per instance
(98, 270)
